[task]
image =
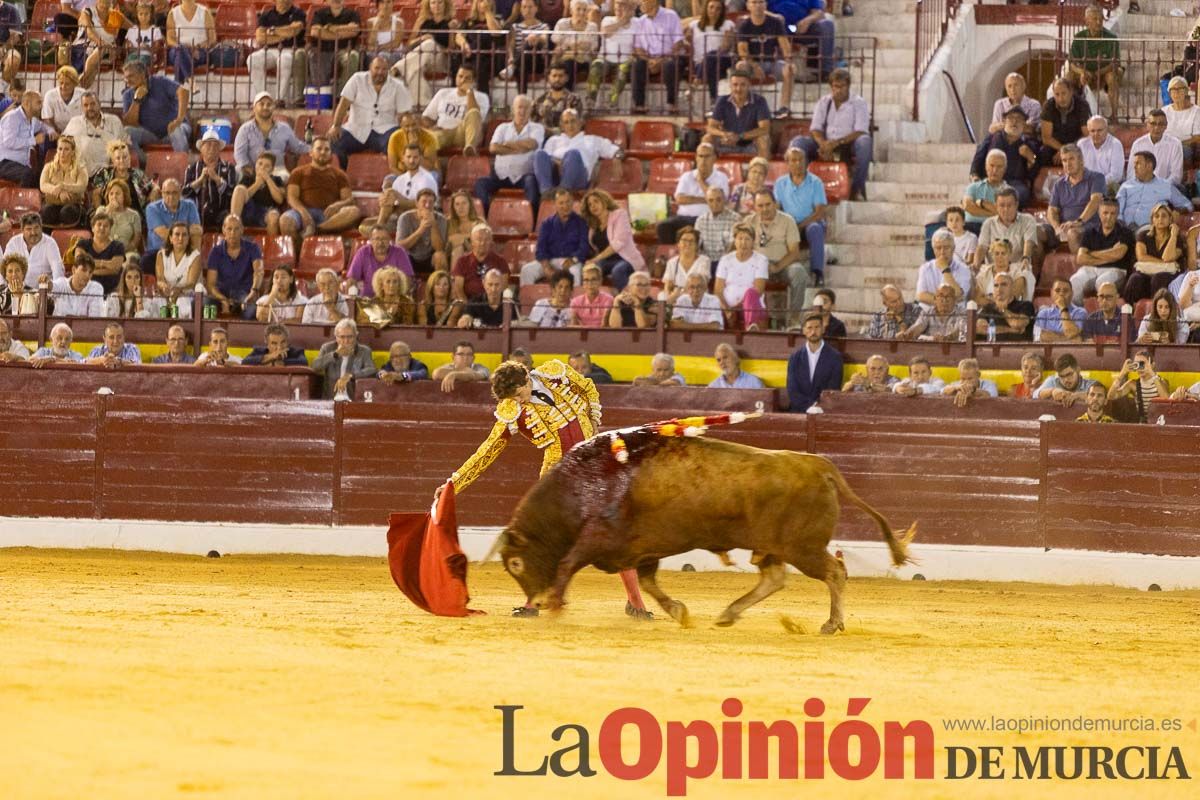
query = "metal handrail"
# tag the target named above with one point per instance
(962, 110)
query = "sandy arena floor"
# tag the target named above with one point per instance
(138, 675)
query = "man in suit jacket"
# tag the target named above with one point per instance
(813, 368)
(343, 359)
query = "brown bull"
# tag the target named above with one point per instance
(672, 495)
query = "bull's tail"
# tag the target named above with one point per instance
(898, 545)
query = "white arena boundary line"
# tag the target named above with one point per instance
(869, 559)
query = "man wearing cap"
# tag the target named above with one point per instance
(1183, 116)
(210, 181)
(1019, 148)
(368, 112)
(265, 132)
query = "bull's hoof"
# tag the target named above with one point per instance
(638, 613)
(726, 619)
(524, 611)
(679, 613)
(832, 627)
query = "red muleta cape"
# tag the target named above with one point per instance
(426, 561)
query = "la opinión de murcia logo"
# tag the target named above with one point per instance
(852, 750)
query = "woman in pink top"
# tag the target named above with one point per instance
(611, 238)
(590, 309)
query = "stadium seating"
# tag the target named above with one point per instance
(517, 252)
(619, 178)
(510, 217)
(731, 168)
(612, 129)
(789, 131)
(665, 174)
(279, 251)
(651, 139)
(164, 164)
(366, 171)
(463, 171)
(18, 201)
(319, 252)
(836, 177)
(1056, 265)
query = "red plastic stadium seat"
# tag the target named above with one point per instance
(790, 131)
(510, 217)
(321, 124)
(517, 252)
(776, 170)
(1056, 265)
(319, 252)
(1141, 310)
(651, 139)
(62, 236)
(531, 293)
(163, 164)
(368, 205)
(279, 251)
(366, 171)
(1039, 183)
(236, 22)
(611, 129)
(836, 177)
(1128, 134)
(731, 168)
(665, 174)
(18, 201)
(207, 242)
(620, 178)
(463, 171)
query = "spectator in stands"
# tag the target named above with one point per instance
(824, 301)
(21, 132)
(177, 269)
(144, 39)
(16, 299)
(63, 101)
(155, 110)
(411, 132)
(191, 34)
(326, 305)
(210, 181)
(1019, 273)
(548, 109)
(732, 375)
(1145, 191)
(378, 253)
(12, 38)
(277, 352)
(581, 362)
(616, 57)
(740, 282)
(234, 273)
(392, 303)
(401, 194)
(633, 307)
(1074, 202)
(691, 196)
(695, 308)
(11, 96)
(440, 308)
(1104, 324)
(428, 44)
(1064, 121)
(265, 133)
(841, 132)
(469, 270)
(456, 114)
(742, 199)
(336, 30)
(126, 301)
(486, 310)
(1003, 314)
(176, 346)
(611, 236)
(1163, 325)
(140, 190)
(1183, 116)
(979, 198)
(970, 384)
(714, 226)
(1105, 253)
(1184, 289)
(100, 21)
(126, 223)
(343, 360)
(481, 40)
(662, 373)
(658, 49)
(944, 269)
(513, 146)
(92, 131)
(554, 311)
(765, 46)
(1167, 150)
(1032, 366)
(895, 316)
(39, 250)
(945, 322)
(1017, 227)
(740, 122)
(461, 369)
(920, 382)
(319, 196)
(217, 354)
(283, 302)
(368, 112)
(1062, 321)
(521, 356)
(1095, 57)
(591, 308)
(115, 351)
(1067, 385)
(527, 44)
(778, 239)
(576, 42)
(1160, 254)
(688, 260)
(874, 377)
(710, 38)
(965, 242)
(462, 219)
(1096, 399)
(1103, 153)
(59, 348)
(813, 368)
(161, 216)
(1014, 95)
(572, 155)
(801, 195)
(401, 367)
(562, 243)
(11, 349)
(260, 195)
(1020, 151)
(64, 187)
(423, 232)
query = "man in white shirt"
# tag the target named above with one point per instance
(573, 155)
(327, 305)
(513, 145)
(368, 112)
(78, 295)
(456, 115)
(696, 308)
(1167, 150)
(93, 130)
(39, 250)
(1103, 152)
(691, 191)
(921, 381)
(400, 193)
(11, 349)
(21, 129)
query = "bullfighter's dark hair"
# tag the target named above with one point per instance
(508, 378)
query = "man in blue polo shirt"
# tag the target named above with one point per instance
(562, 243)
(801, 195)
(740, 122)
(155, 110)
(162, 214)
(1074, 203)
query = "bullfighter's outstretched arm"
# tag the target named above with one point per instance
(482, 458)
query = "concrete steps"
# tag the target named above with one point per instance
(918, 173)
(889, 213)
(872, 255)
(940, 194)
